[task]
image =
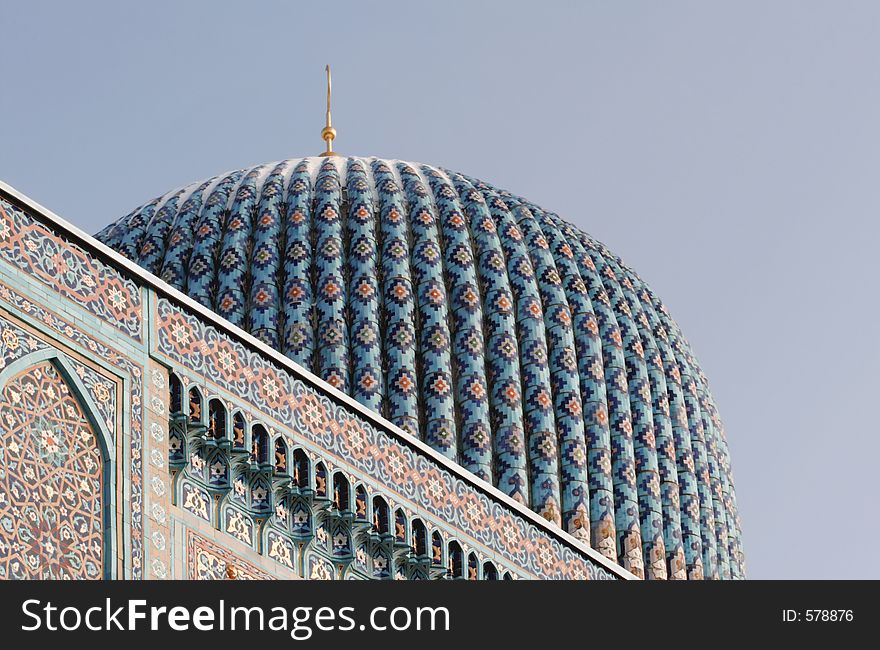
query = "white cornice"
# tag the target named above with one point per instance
(115, 259)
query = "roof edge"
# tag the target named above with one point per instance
(120, 262)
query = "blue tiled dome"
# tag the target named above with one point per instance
(499, 334)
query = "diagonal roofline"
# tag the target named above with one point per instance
(115, 259)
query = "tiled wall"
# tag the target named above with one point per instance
(123, 337)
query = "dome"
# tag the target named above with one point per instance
(500, 335)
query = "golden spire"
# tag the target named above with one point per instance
(328, 133)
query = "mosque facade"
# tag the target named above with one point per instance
(347, 368)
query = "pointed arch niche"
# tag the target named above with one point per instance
(57, 487)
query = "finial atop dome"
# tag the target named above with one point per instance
(328, 133)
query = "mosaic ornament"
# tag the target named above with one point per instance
(506, 339)
(51, 496)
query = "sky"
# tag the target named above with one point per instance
(728, 152)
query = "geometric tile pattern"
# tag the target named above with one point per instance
(67, 269)
(51, 513)
(15, 343)
(491, 329)
(305, 416)
(208, 561)
(102, 391)
(86, 339)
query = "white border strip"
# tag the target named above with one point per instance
(297, 370)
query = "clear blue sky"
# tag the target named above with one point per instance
(729, 152)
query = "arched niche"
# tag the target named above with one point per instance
(217, 417)
(60, 452)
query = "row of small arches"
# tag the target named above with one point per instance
(392, 524)
(538, 260)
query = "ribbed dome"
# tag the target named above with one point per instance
(499, 334)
